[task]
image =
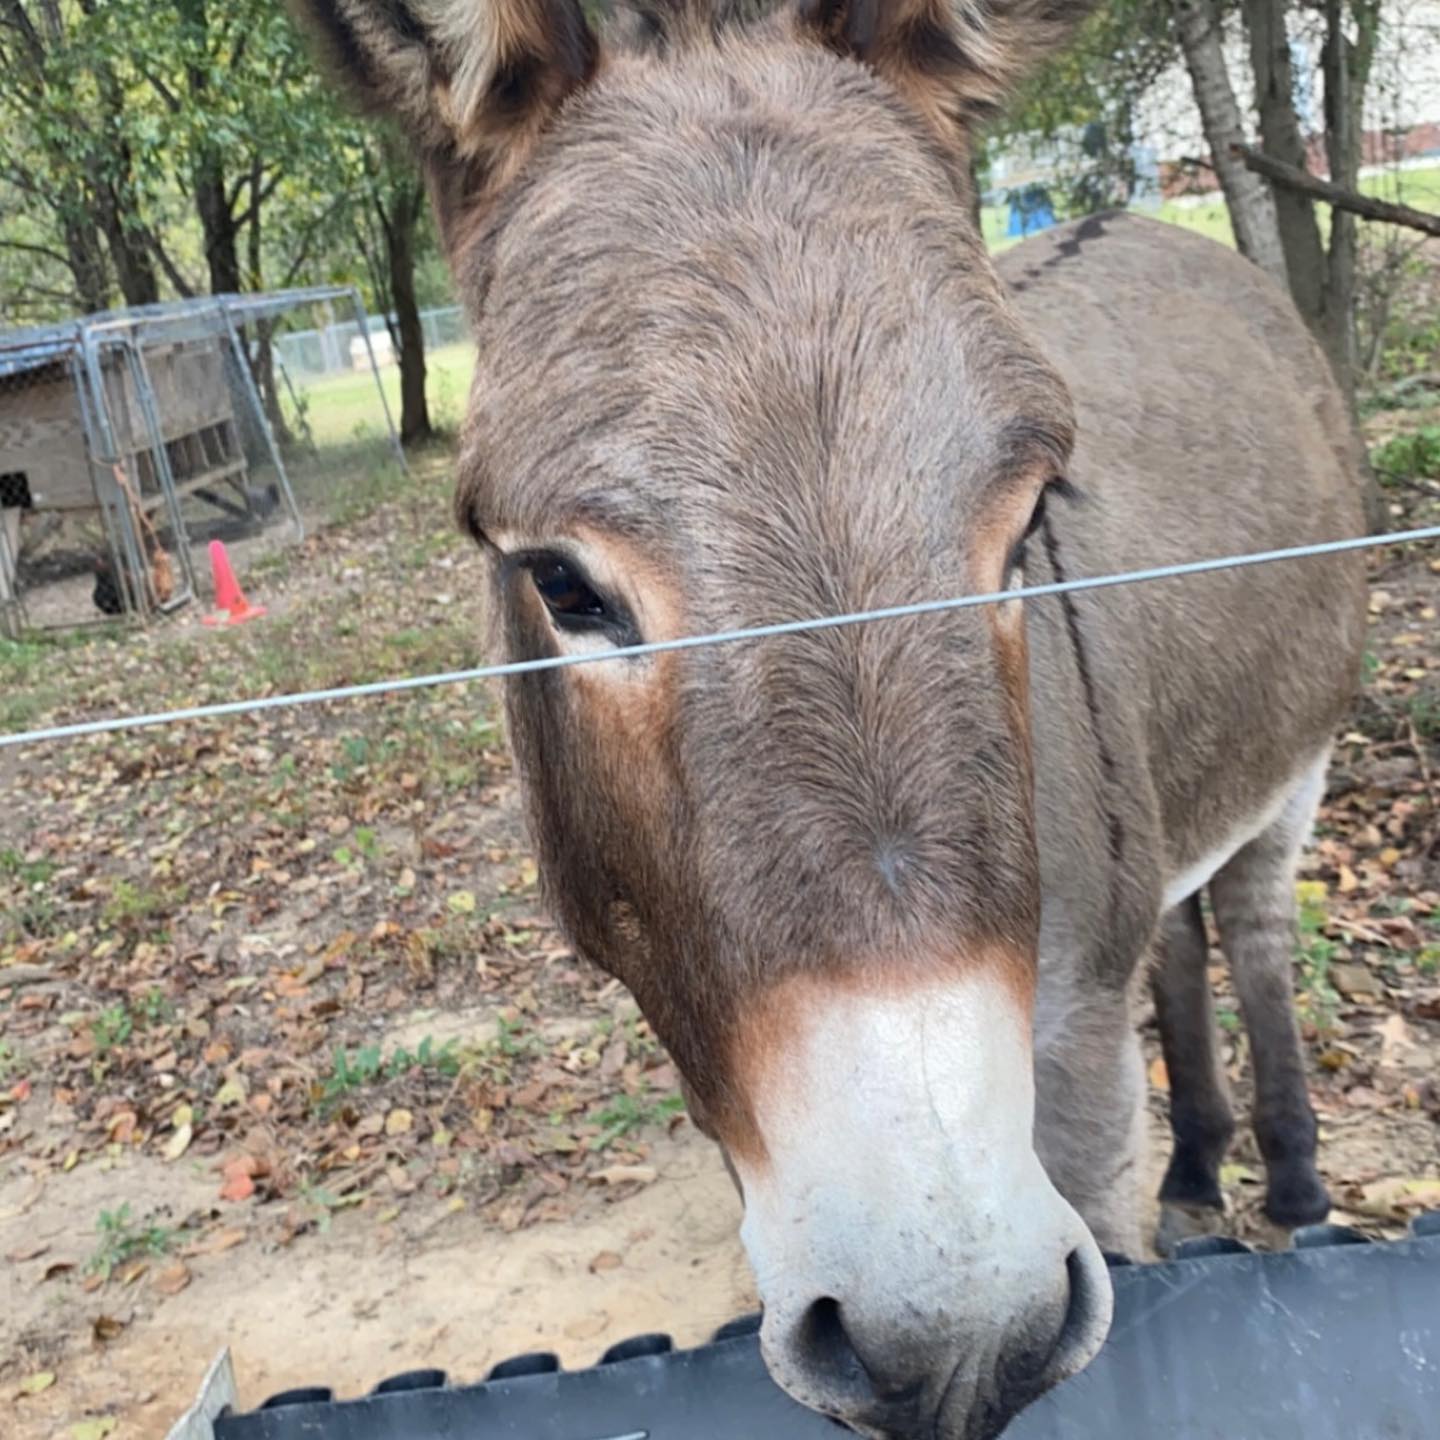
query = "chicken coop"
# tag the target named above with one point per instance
(130, 440)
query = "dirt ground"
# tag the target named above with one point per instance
(362, 1300)
(291, 1060)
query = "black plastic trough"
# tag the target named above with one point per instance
(1337, 1339)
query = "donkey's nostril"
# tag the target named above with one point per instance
(1085, 1311)
(843, 1383)
(828, 1352)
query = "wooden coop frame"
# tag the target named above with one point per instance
(123, 416)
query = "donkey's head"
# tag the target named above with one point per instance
(742, 359)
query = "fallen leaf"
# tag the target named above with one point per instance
(399, 1122)
(178, 1143)
(171, 1280)
(1159, 1075)
(588, 1326)
(1396, 1197)
(238, 1184)
(605, 1260)
(1356, 982)
(28, 1252)
(1394, 1037)
(57, 1267)
(462, 902)
(106, 1327)
(34, 1384)
(96, 1429)
(624, 1175)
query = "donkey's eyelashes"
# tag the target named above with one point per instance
(1037, 515)
(1016, 560)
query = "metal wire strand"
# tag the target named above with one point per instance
(257, 704)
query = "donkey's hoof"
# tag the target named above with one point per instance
(1295, 1200)
(1186, 1222)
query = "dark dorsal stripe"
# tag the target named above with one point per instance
(1087, 682)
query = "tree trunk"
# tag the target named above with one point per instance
(115, 195)
(87, 259)
(1305, 264)
(129, 246)
(400, 227)
(1342, 150)
(217, 222)
(1247, 197)
(1347, 73)
(263, 354)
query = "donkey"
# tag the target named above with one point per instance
(883, 891)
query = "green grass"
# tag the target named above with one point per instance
(1209, 217)
(355, 1070)
(122, 1238)
(33, 671)
(1407, 457)
(626, 1113)
(344, 407)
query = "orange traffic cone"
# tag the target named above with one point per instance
(235, 609)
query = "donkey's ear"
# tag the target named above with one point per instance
(954, 60)
(472, 82)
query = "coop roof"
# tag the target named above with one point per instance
(38, 346)
(22, 351)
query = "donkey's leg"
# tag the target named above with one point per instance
(1090, 1114)
(1201, 1118)
(1254, 899)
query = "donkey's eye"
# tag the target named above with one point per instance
(574, 604)
(567, 594)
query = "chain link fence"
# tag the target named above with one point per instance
(129, 442)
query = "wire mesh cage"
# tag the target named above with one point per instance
(55, 541)
(128, 442)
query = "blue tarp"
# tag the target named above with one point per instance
(1030, 211)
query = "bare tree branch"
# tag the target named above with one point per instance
(257, 196)
(15, 18)
(171, 99)
(183, 287)
(1296, 179)
(44, 250)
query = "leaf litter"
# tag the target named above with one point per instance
(299, 957)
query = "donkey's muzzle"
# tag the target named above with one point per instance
(921, 1275)
(897, 1379)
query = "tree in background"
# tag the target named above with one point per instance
(1092, 91)
(187, 147)
(69, 155)
(1270, 188)
(392, 227)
